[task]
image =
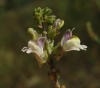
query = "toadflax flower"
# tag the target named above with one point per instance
(36, 46)
(70, 42)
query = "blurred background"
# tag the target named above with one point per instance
(78, 69)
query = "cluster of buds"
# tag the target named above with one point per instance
(42, 45)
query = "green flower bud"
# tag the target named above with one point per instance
(33, 33)
(49, 46)
(47, 11)
(49, 19)
(58, 24)
(53, 30)
(51, 33)
(58, 52)
(37, 10)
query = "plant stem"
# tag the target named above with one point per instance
(54, 73)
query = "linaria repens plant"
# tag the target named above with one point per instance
(42, 45)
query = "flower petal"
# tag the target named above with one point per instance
(83, 47)
(70, 45)
(35, 48)
(73, 44)
(66, 36)
(27, 50)
(41, 41)
(73, 48)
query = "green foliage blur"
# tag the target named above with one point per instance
(78, 69)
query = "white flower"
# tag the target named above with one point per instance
(36, 47)
(69, 42)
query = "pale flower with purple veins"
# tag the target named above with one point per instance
(36, 47)
(70, 42)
